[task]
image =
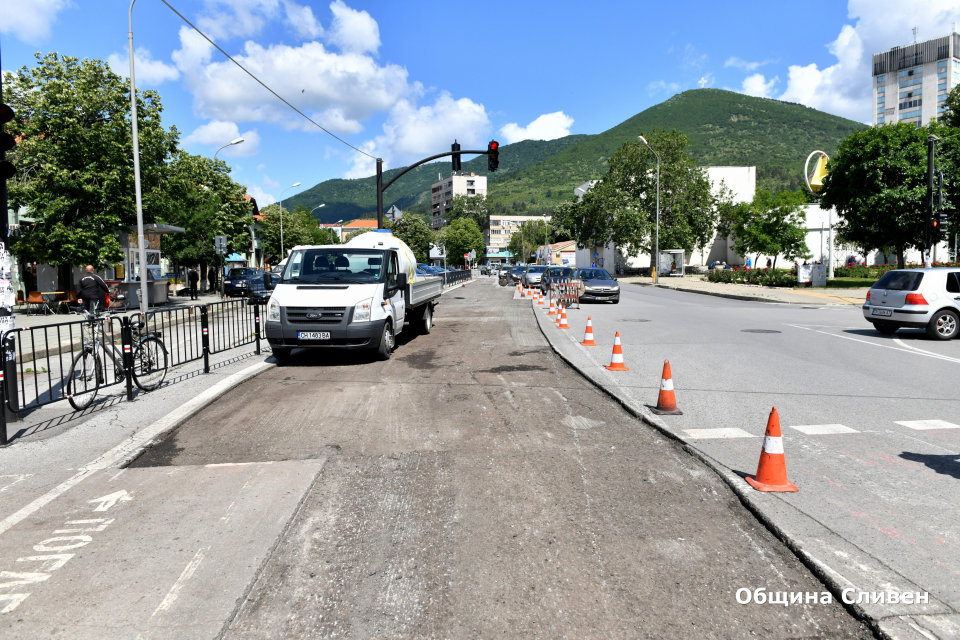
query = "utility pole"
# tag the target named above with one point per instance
(380, 197)
(928, 227)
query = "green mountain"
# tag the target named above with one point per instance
(350, 199)
(725, 129)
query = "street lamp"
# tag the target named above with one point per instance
(317, 207)
(141, 241)
(229, 144)
(656, 244)
(295, 184)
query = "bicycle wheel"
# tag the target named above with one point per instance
(149, 363)
(84, 381)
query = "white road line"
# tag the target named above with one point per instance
(823, 429)
(926, 425)
(928, 354)
(903, 344)
(187, 573)
(703, 434)
(139, 439)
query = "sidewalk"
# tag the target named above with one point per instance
(760, 294)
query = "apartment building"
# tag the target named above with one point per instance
(502, 228)
(442, 193)
(911, 83)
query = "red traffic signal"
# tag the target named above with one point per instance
(493, 155)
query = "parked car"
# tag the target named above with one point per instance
(433, 271)
(556, 273)
(238, 281)
(532, 274)
(917, 298)
(485, 269)
(516, 273)
(599, 286)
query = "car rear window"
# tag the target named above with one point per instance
(900, 281)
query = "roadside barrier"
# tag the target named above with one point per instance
(666, 400)
(588, 335)
(568, 291)
(456, 277)
(616, 360)
(772, 469)
(563, 320)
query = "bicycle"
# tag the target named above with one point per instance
(88, 371)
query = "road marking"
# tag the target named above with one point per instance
(109, 500)
(823, 429)
(187, 573)
(703, 434)
(138, 440)
(925, 425)
(918, 352)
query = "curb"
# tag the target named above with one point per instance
(716, 294)
(818, 568)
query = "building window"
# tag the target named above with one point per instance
(907, 73)
(471, 192)
(942, 86)
(879, 110)
(941, 98)
(470, 183)
(911, 94)
(904, 115)
(941, 108)
(942, 75)
(911, 103)
(879, 119)
(881, 100)
(911, 82)
(881, 90)
(942, 64)
(881, 79)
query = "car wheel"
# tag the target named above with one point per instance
(281, 354)
(426, 323)
(616, 300)
(944, 325)
(886, 328)
(386, 342)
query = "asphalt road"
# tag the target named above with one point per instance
(473, 486)
(870, 423)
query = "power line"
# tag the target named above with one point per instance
(205, 37)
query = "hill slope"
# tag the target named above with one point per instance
(349, 199)
(724, 128)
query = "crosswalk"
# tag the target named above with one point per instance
(814, 429)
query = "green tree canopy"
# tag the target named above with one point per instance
(772, 225)
(414, 231)
(74, 159)
(298, 228)
(462, 236)
(528, 237)
(472, 207)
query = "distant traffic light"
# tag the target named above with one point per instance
(7, 170)
(456, 156)
(493, 155)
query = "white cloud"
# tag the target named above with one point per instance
(746, 66)
(549, 126)
(302, 20)
(218, 133)
(353, 31)
(270, 184)
(844, 88)
(661, 85)
(148, 70)
(262, 197)
(334, 120)
(30, 20)
(757, 85)
(226, 19)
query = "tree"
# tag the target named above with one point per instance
(528, 237)
(472, 207)
(877, 182)
(951, 116)
(772, 224)
(324, 236)
(298, 228)
(462, 236)
(415, 232)
(75, 173)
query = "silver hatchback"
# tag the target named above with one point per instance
(917, 298)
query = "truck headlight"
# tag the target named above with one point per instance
(361, 312)
(273, 311)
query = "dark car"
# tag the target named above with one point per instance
(239, 279)
(258, 290)
(599, 286)
(557, 274)
(516, 273)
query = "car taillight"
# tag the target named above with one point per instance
(868, 296)
(915, 298)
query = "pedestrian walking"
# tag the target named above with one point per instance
(89, 290)
(749, 262)
(193, 278)
(212, 278)
(769, 263)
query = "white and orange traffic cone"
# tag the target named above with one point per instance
(666, 401)
(588, 335)
(616, 360)
(553, 307)
(772, 470)
(540, 298)
(559, 314)
(563, 320)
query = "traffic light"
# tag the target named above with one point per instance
(456, 156)
(493, 155)
(7, 170)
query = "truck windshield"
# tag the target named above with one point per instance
(321, 265)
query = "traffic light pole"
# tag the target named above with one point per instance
(8, 357)
(928, 228)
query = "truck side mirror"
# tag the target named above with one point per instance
(401, 280)
(267, 280)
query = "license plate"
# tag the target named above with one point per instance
(881, 312)
(313, 335)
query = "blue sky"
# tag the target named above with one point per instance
(402, 79)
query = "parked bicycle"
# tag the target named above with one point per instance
(89, 370)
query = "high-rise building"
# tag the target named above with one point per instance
(441, 194)
(903, 75)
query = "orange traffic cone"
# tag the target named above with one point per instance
(553, 308)
(772, 470)
(616, 360)
(559, 314)
(588, 335)
(666, 401)
(563, 320)
(540, 299)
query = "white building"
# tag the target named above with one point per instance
(442, 193)
(502, 229)
(903, 75)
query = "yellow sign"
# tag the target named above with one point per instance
(815, 178)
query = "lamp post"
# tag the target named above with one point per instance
(656, 244)
(295, 184)
(141, 241)
(317, 207)
(229, 144)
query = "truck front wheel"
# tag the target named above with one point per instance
(426, 323)
(386, 342)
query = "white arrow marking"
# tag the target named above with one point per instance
(108, 501)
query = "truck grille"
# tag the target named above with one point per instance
(316, 315)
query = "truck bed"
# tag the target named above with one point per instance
(423, 291)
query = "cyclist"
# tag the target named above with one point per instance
(89, 288)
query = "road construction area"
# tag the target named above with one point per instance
(473, 486)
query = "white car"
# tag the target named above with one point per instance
(917, 298)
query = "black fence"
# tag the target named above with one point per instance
(38, 360)
(456, 277)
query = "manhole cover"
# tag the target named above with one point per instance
(634, 320)
(758, 331)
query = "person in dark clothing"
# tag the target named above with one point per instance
(193, 278)
(212, 278)
(90, 290)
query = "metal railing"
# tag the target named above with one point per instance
(456, 277)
